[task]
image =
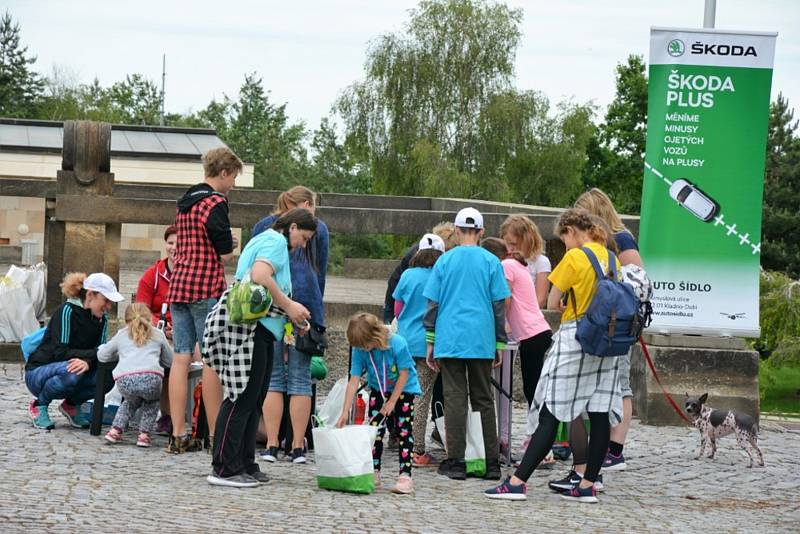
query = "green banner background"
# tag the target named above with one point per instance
(705, 273)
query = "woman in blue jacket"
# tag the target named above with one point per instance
(291, 373)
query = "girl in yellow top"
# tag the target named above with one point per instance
(572, 381)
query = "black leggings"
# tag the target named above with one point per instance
(578, 441)
(237, 423)
(531, 360)
(545, 435)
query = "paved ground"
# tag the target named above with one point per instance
(66, 480)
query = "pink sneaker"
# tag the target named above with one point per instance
(114, 435)
(144, 440)
(404, 485)
(33, 410)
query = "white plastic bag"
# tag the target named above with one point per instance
(343, 457)
(330, 412)
(17, 318)
(34, 280)
(36, 286)
(475, 453)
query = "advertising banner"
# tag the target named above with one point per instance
(700, 230)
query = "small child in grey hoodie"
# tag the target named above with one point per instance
(143, 352)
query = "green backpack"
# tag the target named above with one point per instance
(248, 302)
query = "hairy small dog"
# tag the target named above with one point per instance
(714, 424)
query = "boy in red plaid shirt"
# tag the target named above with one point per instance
(205, 242)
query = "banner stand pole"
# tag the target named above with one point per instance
(710, 14)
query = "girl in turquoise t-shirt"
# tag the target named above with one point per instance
(393, 384)
(409, 307)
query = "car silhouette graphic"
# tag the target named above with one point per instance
(693, 199)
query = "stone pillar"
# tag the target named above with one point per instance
(722, 367)
(85, 172)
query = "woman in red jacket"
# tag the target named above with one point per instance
(152, 292)
(154, 283)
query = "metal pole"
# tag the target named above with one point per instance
(163, 80)
(710, 14)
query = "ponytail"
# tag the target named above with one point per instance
(139, 321)
(293, 197)
(499, 248)
(581, 219)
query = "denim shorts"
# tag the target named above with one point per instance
(625, 375)
(188, 323)
(292, 377)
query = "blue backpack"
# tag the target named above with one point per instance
(614, 319)
(31, 342)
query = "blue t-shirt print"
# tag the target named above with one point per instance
(465, 282)
(389, 361)
(409, 325)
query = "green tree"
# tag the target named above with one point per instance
(780, 248)
(20, 86)
(260, 132)
(135, 100)
(418, 108)
(616, 152)
(538, 154)
(334, 167)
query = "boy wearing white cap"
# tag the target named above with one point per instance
(64, 366)
(465, 330)
(410, 306)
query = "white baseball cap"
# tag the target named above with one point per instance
(103, 284)
(431, 241)
(469, 218)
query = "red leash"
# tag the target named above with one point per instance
(663, 390)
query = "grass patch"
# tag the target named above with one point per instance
(779, 388)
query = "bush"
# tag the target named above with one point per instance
(379, 247)
(779, 388)
(780, 316)
(786, 354)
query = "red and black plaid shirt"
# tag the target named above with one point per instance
(198, 272)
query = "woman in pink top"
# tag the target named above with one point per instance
(525, 321)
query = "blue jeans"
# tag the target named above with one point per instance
(189, 323)
(53, 381)
(292, 377)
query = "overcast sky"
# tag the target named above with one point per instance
(307, 51)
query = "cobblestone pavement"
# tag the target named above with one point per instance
(68, 481)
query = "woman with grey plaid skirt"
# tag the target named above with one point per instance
(572, 382)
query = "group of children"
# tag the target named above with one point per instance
(455, 312)
(456, 308)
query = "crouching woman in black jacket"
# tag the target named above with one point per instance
(64, 366)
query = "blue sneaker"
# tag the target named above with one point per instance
(614, 463)
(40, 417)
(73, 415)
(580, 494)
(508, 491)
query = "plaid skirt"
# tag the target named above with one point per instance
(573, 382)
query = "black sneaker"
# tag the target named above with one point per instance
(493, 472)
(454, 469)
(566, 483)
(570, 481)
(270, 454)
(260, 477)
(297, 456)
